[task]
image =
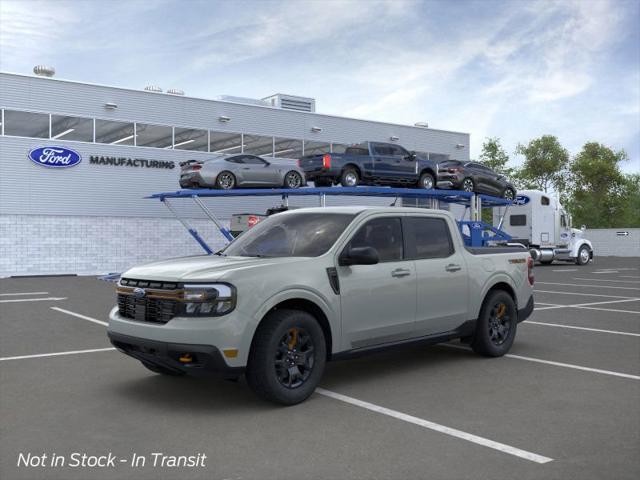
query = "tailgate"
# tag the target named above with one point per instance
(312, 162)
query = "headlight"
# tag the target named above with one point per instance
(208, 300)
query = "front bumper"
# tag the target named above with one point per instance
(206, 359)
(526, 312)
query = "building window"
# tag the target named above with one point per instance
(157, 136)
(115, 133)
(316, 148)
(26, 124)
(258, 145)
(225, 143)
(71, 128)
(287, 148)
(191, 139)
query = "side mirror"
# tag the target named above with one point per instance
(411, 156)
(359, 256)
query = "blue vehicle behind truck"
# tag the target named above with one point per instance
(371, 163)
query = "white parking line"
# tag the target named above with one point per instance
(49, 299)
(607, 280)
(23, 293)
(567, 270)
(84, 317)
(485, 442)
(633, 312)
(606, 271)
(598, 330)
(581, 285)
(56, 354)
(589, 305)
(584, 294)
(557, 364)
(629, 276)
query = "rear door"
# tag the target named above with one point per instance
(441, 275)
(383, 160)
(378, 302)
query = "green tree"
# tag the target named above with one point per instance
(630, 215)
(495, 157)
(545, 164)
(600, 196)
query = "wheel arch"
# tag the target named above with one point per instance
(354, 166)
(495, 285)
(428, 170)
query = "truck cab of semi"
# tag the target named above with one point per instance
(538, 221)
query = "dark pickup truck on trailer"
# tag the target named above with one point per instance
(370, 163)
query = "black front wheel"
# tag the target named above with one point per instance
(496, 325)
(509, 194)
(287, 357)
(584, 255)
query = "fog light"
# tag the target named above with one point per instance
(186, 358)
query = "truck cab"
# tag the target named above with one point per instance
(538, 221)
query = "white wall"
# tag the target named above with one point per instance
(607, 242)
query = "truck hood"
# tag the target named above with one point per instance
(201, 268)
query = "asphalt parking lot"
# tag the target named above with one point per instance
(564, 404)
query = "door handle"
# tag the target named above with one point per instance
(246, 168)
(452, 267)
(400, 272)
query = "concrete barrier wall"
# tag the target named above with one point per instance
(617, 242)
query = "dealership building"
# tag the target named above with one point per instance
(92, 217)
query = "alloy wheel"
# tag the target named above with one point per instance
(293, 180)
(295, 358)
(467, 185)
(351, 179)
(226, 181)
(427, 182)
(499, 324)
(508, 194)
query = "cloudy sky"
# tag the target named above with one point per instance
(513, 69)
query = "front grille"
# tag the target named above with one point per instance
(145, 309)
(131, 282)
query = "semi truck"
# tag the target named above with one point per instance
(539, 222)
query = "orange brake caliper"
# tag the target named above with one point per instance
(501, 310)
(294, 338)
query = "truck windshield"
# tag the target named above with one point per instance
(290, 235)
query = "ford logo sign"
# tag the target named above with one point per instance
(521, 200)
(139, 292)
(55, 157)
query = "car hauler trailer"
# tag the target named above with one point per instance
(475, 233)
(539, 222)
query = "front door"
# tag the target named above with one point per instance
(378, 302)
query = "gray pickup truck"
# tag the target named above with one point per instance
(311, 285)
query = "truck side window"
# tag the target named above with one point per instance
(563, 220)
(383, 234)
(428, 238)
(518, 220)
(544, 200)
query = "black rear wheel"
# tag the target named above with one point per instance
(468, 185)
(287, 357)
(426, 181)
(509, 194)
(226, 180)
(496, 325)
(322, 182)
(349, 177)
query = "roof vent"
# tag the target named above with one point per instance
(292, 102)
(44, 71)
(421, 124)
(175, 91)
(244, 100)
(153, 88)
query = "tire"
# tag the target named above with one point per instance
(225, 180)
(162, 370)
(349, 177)
(426, 182)
(273, 347)
(496, 325)
(322, 182)
(293, 180)
(468, 185)
(584, 255)
(509, 194)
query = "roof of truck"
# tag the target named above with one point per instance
(356, 209)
